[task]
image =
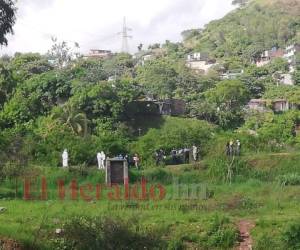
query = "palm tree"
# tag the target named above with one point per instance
(74, 119)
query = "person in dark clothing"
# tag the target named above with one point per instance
(186, 153)
(227, 149)
(174, 157)
(157, 157)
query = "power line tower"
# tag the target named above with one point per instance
(125, 36)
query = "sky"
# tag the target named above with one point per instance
(95, 24)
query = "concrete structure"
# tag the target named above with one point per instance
(199, 62)
(281, 105)
(97, 53)
(116, 171)
(286, 79)
(172, 107)
(257, 105)
(232, 75)
(290, 53)
(268, 55)
(277, 105)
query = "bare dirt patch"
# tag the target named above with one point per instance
(245, 227)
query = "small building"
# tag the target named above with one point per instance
(98, 53)
(116, 171)
(268, 55)
(286, 79)
(199, 62)
(280, 105)
(262, 105)
(257, 105)
(230, 75)
(290, 53)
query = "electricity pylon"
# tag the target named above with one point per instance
(125, 36)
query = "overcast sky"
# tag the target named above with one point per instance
(96, 23)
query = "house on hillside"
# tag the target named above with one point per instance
(230, 75)
(257, 105)
(290, 53)
(98, 53)
(262, 105)
(199, 62)
(286, 79)
(267, 56)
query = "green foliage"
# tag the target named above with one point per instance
(290, 93)
(289, 179)
(224, 103)
(158, 77)
(291, 236)
(221, 233)
(281, 128)
(107, 233)
(27, 65)
(174, 133)
(250, 30)
(8, 18)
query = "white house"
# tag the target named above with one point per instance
(290, 53)
(199, 62)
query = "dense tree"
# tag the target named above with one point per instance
(158, 77)
(7, 17)
(61, 54)
(7, 83)
(68, 115)
(228, 99)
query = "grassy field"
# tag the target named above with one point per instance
(258, 196)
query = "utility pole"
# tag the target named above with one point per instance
(125, 36)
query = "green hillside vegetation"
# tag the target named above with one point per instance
(51, 102)
(248, 31)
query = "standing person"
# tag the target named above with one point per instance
(195, 153)
(227, 149)
(136, 160)
(186, 153)
(238, 147)
(127, 158)
(99, 160)
(231, 147)
(65, 159)
(156, 155)
(101, 157)
(174, 156)
(161, 155)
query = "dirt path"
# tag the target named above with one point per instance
(8, 244)
(246, 241)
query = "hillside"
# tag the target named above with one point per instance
(248, 31)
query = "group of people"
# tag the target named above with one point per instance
(178, 156)
(101, 159)
(233, 148)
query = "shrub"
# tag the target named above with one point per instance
(291, 236)
(174, 133)
(107, 233)
(289, 179)
(221, 233)
(267, 242)
(157, 175)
